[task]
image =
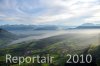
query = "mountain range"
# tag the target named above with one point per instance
(34, 27)
(89, 26)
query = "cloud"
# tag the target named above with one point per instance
(95, 17)
(46, 11)
(53, 18)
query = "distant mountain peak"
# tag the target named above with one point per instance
(88, 24)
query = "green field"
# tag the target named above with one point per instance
(58, 46)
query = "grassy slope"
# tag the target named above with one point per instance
(95, 51)
(57, 46)
(6, 37)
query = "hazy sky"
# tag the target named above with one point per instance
(61, 12)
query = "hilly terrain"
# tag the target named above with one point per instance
(95, 51)
(6, 37)
(57, 46)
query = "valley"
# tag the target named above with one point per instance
(57, 44)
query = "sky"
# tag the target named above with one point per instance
(51, 12)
